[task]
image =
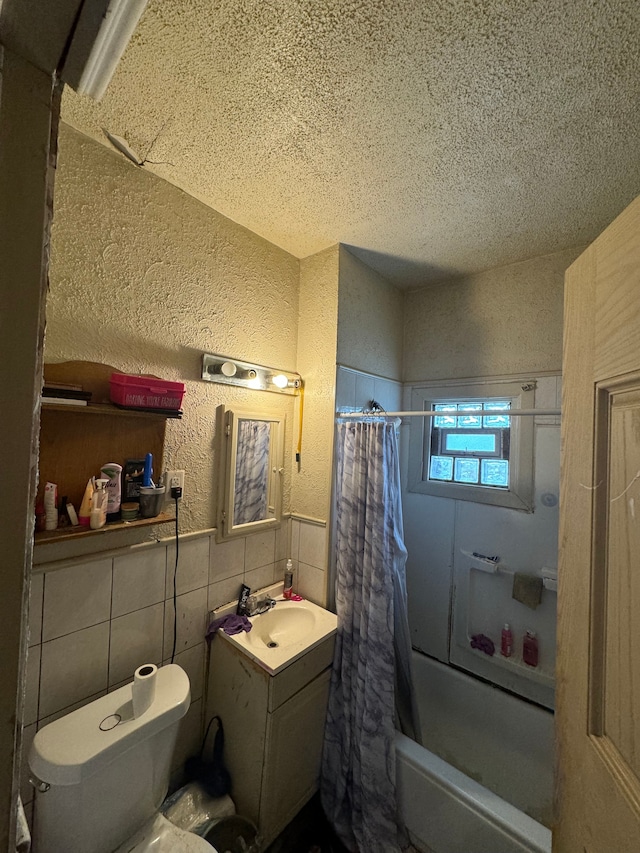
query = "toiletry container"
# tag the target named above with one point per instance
(530, 649)
(84, 513)
(112, 473)
(101, 775)
(288, 580)
(506, 641)
(99, 505)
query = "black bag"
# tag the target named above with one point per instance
(212, 775)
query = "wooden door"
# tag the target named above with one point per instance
(598, 669)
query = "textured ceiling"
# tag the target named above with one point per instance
(436, 137)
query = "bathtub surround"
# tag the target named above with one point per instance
(485, 771)
(358, 767)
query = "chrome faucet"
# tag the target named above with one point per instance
(257, 604)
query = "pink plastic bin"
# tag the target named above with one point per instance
(145, 392)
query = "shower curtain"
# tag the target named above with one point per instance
(371, 676)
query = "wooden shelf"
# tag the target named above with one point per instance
(64, 534)
(75, 441)
(110, 410)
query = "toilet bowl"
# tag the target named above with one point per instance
(158, 835)
(101, 774)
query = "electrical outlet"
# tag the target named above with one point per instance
(175, 479)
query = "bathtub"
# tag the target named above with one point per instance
(483, 781)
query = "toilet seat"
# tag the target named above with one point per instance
(158, 835)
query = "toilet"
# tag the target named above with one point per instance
(102, 774)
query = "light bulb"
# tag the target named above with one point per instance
(228, 368)
(280, 380)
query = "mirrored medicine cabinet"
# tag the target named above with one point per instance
(250, 471)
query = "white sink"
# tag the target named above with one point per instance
(284, 633)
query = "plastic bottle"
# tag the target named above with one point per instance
(99, 505)
(50, 506)
(288, 580)
(506, 642)
(112, 473)
(84, 513)
(530, 649)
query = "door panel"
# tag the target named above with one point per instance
(598, 674)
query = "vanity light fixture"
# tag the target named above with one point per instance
(230, 371)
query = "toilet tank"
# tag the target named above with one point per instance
(107, 771)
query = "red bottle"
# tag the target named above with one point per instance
(530, 649)
(506, 642)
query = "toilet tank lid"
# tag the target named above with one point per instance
(76, 746)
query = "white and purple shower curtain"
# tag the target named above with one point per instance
(371, 676)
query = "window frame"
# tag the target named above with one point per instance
(521, 393)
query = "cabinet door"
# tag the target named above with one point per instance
(295, 733)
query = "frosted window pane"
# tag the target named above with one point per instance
(497, 421)
(470, 443)
(495, 472)
(441, 468)
(446, 421)
(466, 470)
(470, 420)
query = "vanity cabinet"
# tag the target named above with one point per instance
(274, 730)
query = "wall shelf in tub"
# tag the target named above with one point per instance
(492, 567)
(516, 665)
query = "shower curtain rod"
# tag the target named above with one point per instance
(430, 414)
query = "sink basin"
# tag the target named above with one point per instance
(284, 633)
(288, 623)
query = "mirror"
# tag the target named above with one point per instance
(251, 454)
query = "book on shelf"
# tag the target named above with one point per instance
(63, 401)
(68, 393)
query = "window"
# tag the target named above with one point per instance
(472, 451)
(469, 445)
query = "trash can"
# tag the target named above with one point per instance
(233, 834)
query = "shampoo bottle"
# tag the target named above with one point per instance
(530, 649)
(288, 580)
(506, 641)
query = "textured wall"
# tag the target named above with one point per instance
(369, 320)
(506, 320)
(145, 278)
(317, 363)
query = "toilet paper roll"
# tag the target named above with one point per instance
(144, 688)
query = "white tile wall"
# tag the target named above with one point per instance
(191, 627)
(138, 580)
(72, 667)
(227, 559)
(136, 638)
(92, 624)
(76, 598)
(260, 550)
(193, 565)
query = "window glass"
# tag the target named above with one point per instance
(445, 420)
(470, 442)
(466, 470)
(495, 473)
(441, 468)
